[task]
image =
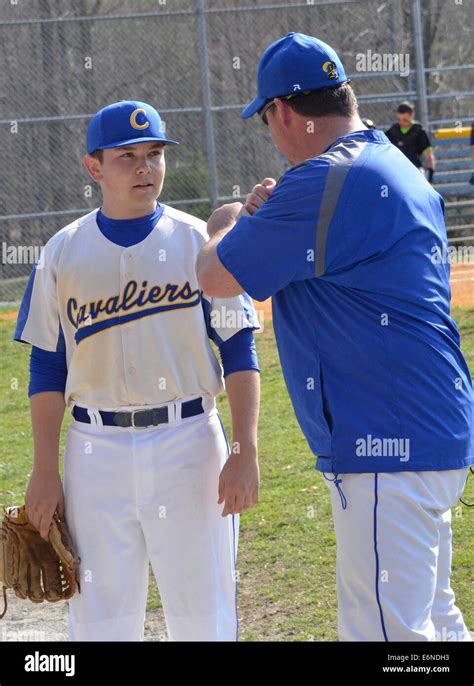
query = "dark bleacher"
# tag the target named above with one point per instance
(454, 168)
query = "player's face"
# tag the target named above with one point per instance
(404, 119)
(133, 175)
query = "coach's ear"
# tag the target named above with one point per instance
(93, 167)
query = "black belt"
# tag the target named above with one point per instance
(140, 418)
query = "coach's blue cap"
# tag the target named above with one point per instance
(294, 64)
(124, 123)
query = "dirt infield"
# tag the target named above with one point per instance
(48, 622)
(462, 292)
(462, 285)
(9, 316)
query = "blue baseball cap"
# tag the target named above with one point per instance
(294, 64)
(124, 123)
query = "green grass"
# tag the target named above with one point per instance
(286, 557)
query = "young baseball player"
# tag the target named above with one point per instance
(120, 332)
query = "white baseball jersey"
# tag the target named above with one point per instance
(134, 319)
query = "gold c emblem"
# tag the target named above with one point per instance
(133, 119)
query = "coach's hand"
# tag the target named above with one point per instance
(257, 197)
(223, 217)
(226, 216)
(44, 496)
(239, 481)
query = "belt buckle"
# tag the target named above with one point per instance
(133, 412)
(154, 418)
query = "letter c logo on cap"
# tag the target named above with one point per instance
(133, 119)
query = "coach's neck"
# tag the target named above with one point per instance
(300, 138)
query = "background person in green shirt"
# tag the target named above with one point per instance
(412, 139)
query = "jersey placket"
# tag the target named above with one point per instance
(126, 330)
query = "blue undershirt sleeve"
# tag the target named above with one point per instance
(48, 370)
(239, 353)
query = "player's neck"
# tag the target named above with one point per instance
(112, 211)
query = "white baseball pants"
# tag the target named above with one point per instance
(139, 495)
(393, 535)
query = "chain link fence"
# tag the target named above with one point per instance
(196, 62)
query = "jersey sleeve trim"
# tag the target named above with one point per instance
(341, 160)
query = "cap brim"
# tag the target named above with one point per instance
(253, 108)
(132, 141)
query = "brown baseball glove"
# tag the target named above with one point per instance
(33, 567)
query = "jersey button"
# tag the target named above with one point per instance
(131, 370)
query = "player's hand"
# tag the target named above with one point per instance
(239, 481)
(257, 197)
(223, 217)
(44, 496)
